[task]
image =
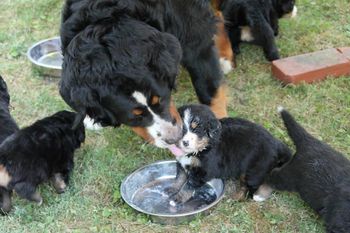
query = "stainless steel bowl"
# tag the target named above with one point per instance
(46, 57)
(147, 190)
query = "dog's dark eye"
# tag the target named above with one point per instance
(194, 125)
(155, 100)
(137, 111)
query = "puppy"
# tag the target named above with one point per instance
(256, 21)
(230, 148)
(40, 152)
(318, 173)
(8, 126)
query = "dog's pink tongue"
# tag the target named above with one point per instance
(176, 151)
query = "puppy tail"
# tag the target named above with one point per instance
(296, 132)
(5, 205)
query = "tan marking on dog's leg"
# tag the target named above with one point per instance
(219, 103)
(223, 44)
(263, 193)
(195, 162)
(5, 177)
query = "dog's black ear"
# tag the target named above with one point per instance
(214, 129)
(79, 118)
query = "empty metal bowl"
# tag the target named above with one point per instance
(147, 191)
(46, 57)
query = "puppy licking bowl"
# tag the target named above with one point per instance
(46, 57)
(150, 188)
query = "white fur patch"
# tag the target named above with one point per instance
(185, 161)
(292, 14)
(160, 127)
(259, 198)
(246, 34)
(226, 65)
(280, 109)
(90, 124)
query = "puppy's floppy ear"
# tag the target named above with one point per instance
(79, 118)
(214, 128)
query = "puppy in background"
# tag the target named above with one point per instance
(230, 148)
(256, 21)
(8, 126)
(318, 173)
(38, 153)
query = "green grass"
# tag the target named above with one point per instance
(93, 202)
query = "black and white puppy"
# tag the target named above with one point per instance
(8, 126)
(38, 153)
(229, 148)
(256, 21)
(319, 174)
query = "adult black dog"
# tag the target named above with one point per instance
(256, 21)
(230, 148)
(37, 153)
(121, 60)
(8, 126)
(319, 174)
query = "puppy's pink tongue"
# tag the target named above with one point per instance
(176, 151)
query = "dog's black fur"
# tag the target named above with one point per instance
(261, 16)
(115, 47)
(319, 174)
(8, 126)
(235, 149)
(40, 152)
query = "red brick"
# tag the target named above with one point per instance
(312, 66)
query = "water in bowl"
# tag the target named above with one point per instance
(52, 59)
(155, 196)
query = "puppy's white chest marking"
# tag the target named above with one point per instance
(5, 178)
(189, 161)
(246, 34)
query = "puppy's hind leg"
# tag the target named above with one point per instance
(28, 191)
(5, 204)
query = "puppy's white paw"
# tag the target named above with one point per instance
(259, 198)
(226, 65)
(90, 124)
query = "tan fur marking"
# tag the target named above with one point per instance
(222, 41)
(142, 132)
(174, 113)
(5, 178)
(195, 162)
(219, 103)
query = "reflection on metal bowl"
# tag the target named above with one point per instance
(147, 191)
(46, 57)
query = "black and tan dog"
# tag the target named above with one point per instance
(8, 126)
(38, 153)
(318, 173)
(122, 57)
(230, 148)
(256, 21)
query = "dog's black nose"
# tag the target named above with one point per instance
(171, 141)
(185, 143)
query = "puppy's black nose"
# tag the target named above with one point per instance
(185, 143)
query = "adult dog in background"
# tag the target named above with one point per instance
(39, 153)
(121, 59)
(8, 126)
(318, 173)
(256, 21)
